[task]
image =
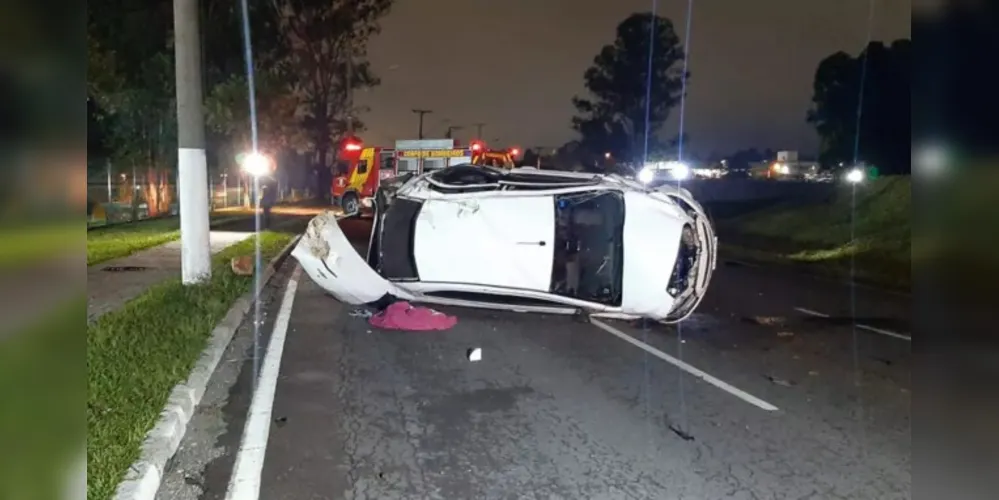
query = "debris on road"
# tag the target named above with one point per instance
(680, 432)
(475, 354)
(242, 266)
(780, 381)
(785, 334)
(405, 316)
(767, 320)
(361, 313)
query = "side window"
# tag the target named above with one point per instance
(362, 167)
(341, 168)
(388, 164)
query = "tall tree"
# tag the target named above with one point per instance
(877, 85)
(625, 103)
(324, 39)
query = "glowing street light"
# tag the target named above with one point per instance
(607, 155)
(256, 164)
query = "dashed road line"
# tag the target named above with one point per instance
(721, 384)
(862, 326)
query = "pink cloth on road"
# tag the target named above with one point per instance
(405, 316)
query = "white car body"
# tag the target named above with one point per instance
(482, 237)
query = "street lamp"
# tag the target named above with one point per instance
(256, 164)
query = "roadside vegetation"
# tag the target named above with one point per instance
(863, 232)
(138, 353)
(122, 240)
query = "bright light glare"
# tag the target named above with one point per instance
(256, 164)
(646, 175)
(855, 175)
(932, 160)
(680, 171)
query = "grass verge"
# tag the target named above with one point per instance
(862, 233)
(122, 240)
(137, 354)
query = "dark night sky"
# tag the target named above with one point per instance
(515, 64)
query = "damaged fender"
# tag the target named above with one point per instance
(332, 262)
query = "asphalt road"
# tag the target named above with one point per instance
(563, 408)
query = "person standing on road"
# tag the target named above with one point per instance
(268, 197)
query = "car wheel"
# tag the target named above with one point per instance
(350, 204)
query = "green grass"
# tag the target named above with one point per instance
(137, 354)
(41, 387)
(116, 241)
(864, 234)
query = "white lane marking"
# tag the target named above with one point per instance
(811, 312)
(735, 391)
(245, 481)
(862, 326)
(885, 332)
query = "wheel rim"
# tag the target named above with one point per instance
(350, 204)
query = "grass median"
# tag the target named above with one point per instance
(121, 240)
(864, 234)
(137, 354)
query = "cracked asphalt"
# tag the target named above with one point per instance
(560, 409)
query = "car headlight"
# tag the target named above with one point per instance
(680, 171)
(646, 175)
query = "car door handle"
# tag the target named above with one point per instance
(538, 243)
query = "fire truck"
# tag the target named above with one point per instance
(498, 158)
(360, 169)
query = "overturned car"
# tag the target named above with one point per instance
(522, 240)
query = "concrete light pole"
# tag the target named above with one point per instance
(192, 167)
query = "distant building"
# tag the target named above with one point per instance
(787, 166)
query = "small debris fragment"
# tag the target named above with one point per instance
(680, 432)
(280, 421)
(785, 334)
(768, 320)
(474, 354)
(779, 381)
(242, 266)
(813, 373)
(360, 313)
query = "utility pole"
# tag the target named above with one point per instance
(478, 130)
(450, 131)
(192, 167)
(421, 112)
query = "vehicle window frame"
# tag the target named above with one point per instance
(362, 167)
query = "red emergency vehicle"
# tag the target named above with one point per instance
(357, 173)
(360, 169)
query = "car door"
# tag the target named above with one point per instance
(499, 241)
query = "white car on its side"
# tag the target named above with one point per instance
(522, 240)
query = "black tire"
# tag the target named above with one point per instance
(350, 204)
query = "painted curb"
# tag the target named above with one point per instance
(142, 480)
